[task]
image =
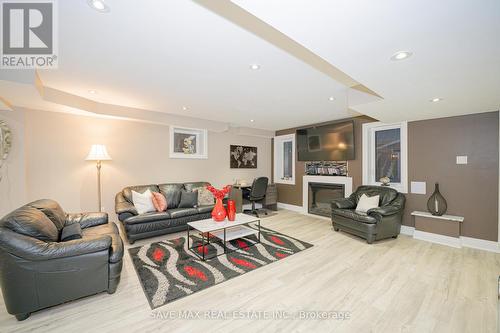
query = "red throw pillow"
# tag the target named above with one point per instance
(159, 201)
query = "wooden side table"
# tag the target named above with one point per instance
(443, 229)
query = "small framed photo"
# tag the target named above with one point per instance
(188, 142)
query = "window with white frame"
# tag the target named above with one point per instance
(385, 154)
(284, 159)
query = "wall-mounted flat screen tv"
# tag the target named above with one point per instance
(332, 142)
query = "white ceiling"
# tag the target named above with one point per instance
(455, 45)
(163, 55)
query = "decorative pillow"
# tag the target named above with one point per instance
(365, 203)
(71, 232)
(171, 192)
(143, 202)
(188, 199)
(205, 197)
(159, 202)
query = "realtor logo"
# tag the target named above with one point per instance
(28, 34)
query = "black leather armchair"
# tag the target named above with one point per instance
(377, 223)
(37, 270)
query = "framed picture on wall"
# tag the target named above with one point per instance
(243, 157)
(188, 142)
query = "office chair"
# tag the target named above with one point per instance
(256, 193)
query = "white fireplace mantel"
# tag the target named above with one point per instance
(346, 181)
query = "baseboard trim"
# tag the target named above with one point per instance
(293, 208)
(480, 244)
(473, 243)
(406, 230)
(438, 239)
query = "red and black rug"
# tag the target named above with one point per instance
(168, 270)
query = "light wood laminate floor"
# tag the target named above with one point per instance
(391, 286)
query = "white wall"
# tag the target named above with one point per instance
(57, 144)
(13, 183)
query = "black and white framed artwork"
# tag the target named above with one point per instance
(243, 157)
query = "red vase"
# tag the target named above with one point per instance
(231, 210)
(219, 213)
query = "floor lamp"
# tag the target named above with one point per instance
(98, 153)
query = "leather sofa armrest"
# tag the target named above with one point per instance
(123, 206)
(36, 250)
(343, 203)
(396, 206)
(87, 220)
(383, 211)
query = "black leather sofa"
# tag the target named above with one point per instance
(377, 223)
(158, 223)
(37, 270)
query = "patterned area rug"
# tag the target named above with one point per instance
(169, 271)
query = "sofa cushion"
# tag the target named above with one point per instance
(71, 232)
(353, 215)
(191, 186)
(205, 197)
(205, 209)
(159, 201)
(143, 202)
(110, 229)
(188, 199)
(171, 192)
(32, 222)
(181, 212)
(147, 217)
(127, 191)
(52, 210)
(365, 203)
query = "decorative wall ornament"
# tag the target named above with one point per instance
(243, 157)
(384, 181)
(5, 143)
(437, 204)
(188, 142)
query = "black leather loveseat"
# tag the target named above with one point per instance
(158, 223)
(37, 270)
(377, 223)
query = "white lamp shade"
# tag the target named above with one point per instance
(98, 153)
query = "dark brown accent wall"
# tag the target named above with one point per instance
(292, 194)
(471, 190)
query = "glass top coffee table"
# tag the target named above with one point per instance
(225, 231)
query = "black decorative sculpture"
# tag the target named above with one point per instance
(437, 204)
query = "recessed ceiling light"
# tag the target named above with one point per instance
(251, 120)
(98, 5)
(436, 99)
(331, 98)
(92, 91)
(255, 66)
(184, 108)
(401, 55)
